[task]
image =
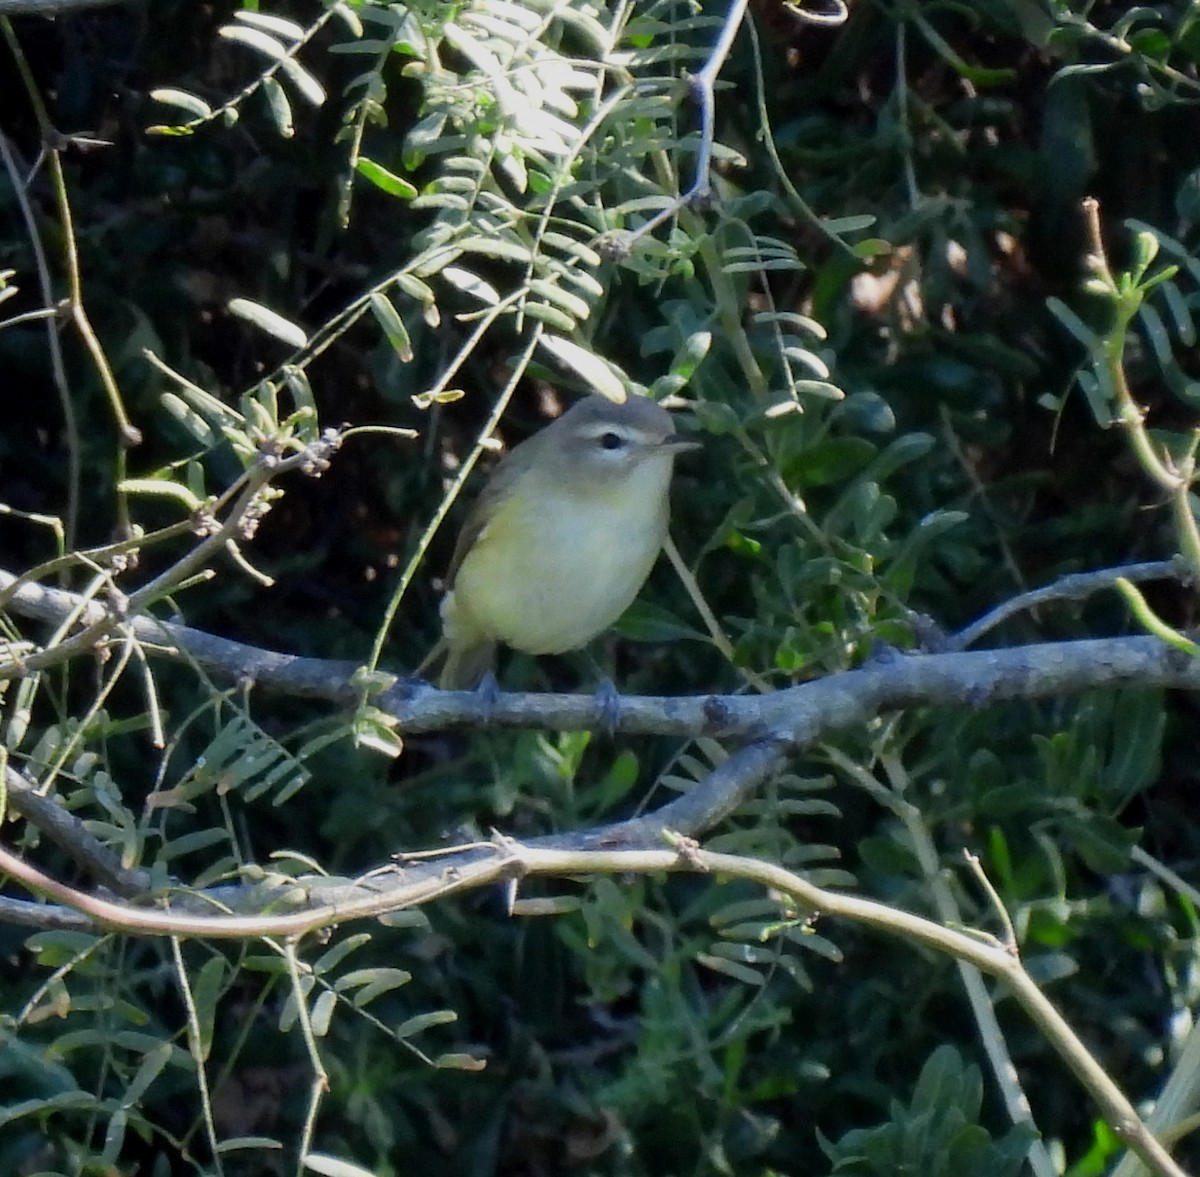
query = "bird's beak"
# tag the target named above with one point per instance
(680, 444)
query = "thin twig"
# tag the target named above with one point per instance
(196, 1048)
(980, 488)
(702, 91)
(1075, 587)
(460, 478)
(1009, 940)
(1176, 478)
(513, 859)
(71, 834)
(51, 7)
(58, 369)
(718, 635)
(320, 1077)
(946, 905)
(1175, 1105)
(74, 307)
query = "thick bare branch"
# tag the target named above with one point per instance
(286, 673)
(793, 717)
(774, 727)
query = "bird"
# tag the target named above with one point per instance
(562, 536)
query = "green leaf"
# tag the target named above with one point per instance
(594, 371)
(472, 284)
(1156, 333)
(189, 843)
(162, 488)
(254, 39)
(1152, 43)
(269, 321)
(309, 88)
(279, 107)
(1073, 323)
(189, 418)
(375, 729)
(234, 1143)
(872, 247)
(421, 1022)
(731, 968)
(327, 1166)
(423, 138)
(455, 1061)
(850, 224)
(835, 460)
(151, 1067)
(502, 248)
(867, 412)
(379, 176)
(1102, 842)
(644, 622)
(570, 304)
(371, 983)
(334, 956)
(206, 992)
(904, 451)
(551, 316)
(274, 25)
(322, 1013)
(389, 319)
(184, 100)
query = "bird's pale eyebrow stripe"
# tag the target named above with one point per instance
(601, 429)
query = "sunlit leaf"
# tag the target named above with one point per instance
(160, 488)
(389, 319)
(328, 1166)
(274, 25)
(587, 365)
(269, 321)
(382, 178)
(279, 107)
(184, 100)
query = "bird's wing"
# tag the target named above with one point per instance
(494, 491)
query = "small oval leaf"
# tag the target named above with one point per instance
(184, 101)
(589, 367)
(379, 176)
(269, 321)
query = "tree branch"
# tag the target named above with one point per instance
(1075, 587)
(506, 860)
(51, 7)
(71, 835)
(793, 717)
(775, 727)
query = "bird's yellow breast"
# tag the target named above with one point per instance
(554, 566)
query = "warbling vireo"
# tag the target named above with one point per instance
(562, 536)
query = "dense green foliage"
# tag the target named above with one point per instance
(879, 323)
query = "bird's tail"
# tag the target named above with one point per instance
(466, 665)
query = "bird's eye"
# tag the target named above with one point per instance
(611, 441)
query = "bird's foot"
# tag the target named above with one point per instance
(488, 694)
(879, 655)
(608, 706)
(409, 686)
